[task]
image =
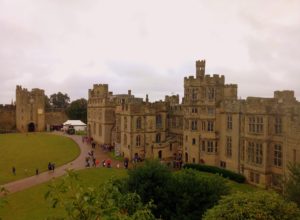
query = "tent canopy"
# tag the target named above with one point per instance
(74, 123)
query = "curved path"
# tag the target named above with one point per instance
(77, 164)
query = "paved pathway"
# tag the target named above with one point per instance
(77, 164)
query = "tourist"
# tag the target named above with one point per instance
(14, 170)
(49, 166)
(36, 171)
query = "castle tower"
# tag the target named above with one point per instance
(30, 109)
(200, 68)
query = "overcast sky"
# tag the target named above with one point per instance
(147, 46)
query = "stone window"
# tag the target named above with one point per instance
(255, 153)
(138, 123)
(210, 146)
(194, 110)
(211, 93)
(125, 122)
(277, 155)
(223, 164)
(210, 111)
(138, 140)
(203, 126)
(228, 147)
(203, 146)
(194, 125)
(229, 122)
(125, 139)
(194, 141)
(256, 124)
(210, 126)
(158, 138)
(278, 125)
(158, 121)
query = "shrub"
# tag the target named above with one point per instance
(211, 169)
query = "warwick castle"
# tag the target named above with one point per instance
(257, 137)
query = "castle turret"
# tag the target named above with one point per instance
(200, 68)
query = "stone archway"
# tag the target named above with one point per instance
(160, 154)
(31, 127)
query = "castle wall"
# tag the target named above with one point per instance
(7, 118)
(55, 117)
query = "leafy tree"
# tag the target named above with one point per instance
(78, 110)
(152, 182)
(292, 185)
(258, 205)
(186, 194)
(194, 193)
(59, 100)
(104, 202)
(47, 102)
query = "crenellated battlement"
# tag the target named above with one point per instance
(99, 91)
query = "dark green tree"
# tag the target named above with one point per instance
(47, 102)
(59, 100)
(259, 205)
(77, 110)
(152, 182)
(292, 185)
(195, 192)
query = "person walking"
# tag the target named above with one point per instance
(14, 170)
(36, 171)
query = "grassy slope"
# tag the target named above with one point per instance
(30, 203)
(31, 151)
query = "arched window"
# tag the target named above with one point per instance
(138, 140)
(158, 121)
(138, 123)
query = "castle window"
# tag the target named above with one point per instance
(203, 126)
(194, 110)
(194, 125)
(256, 124)
(228, 147)
(255, 152)
(125, 139)
(203, 145)
(210, 126)
(125, 122)
(158, 137)
(194, 141)
(138, 123)
(210, 146)
(158, 121)
(138, 140)
(211, 93)
(194, 95)
(223, 164)
(210, 110)
(216, 146)
(278, 125)
(277, 155)
(229, 122)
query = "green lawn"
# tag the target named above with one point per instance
(27, 152)
(30, 203)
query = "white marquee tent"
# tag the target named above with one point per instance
(77, 125)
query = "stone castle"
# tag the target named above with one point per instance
(28, 114)
(257, 137)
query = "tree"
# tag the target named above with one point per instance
(47, 102)
(59, 100)
(186, 194)
(151, 182)
(195, 192)
(259, 205)
(292, 185)
(78, 110)
(103, 202)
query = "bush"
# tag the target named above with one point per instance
(211, 169)
(258, 205)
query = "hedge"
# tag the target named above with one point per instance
(211, 169)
